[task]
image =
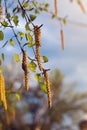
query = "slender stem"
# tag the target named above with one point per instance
(12, 26)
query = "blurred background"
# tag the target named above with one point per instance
(68, 75)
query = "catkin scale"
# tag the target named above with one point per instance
(38, 58)
(26, 81)
(24, 61)
(62, 38)
(2, 91)
(1, 13)
(37, 33)
(48, 88)
(24, 67)
(56, 7)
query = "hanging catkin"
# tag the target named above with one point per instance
(37, 33)
(81, 6)
(38, 58)
(48, 88)
(1, 13)
(62, 38)
(2, 91)
(25, 68)
(56, 7)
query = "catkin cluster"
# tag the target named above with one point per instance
(1, 13)
(24, 67)
(48, 88)
(37, 33)
(2, 91)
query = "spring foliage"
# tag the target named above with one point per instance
(30, 38)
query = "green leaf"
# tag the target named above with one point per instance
(15, 20)
(17, 57)
(32, 66)
(43, 87)
(0, 62)
(46, 5)
(25, 5)
(45, 59)
(35, 4)
(64, 21)
(12, 42)
(37, 11)
(32, 17)
(4, 23)
(23, 14)
(53, 16)
(29, 37)
(0, 70)
(1, 35)
(27, 27)
(3, 57)
(15, 9)
(21, 34)
(38, 77)
(8, 15)
(18, 96)
(30, 44)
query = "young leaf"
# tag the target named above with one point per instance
(15, 9)
(3, 57)
(30, 44)
(17, 57)
(45, 59)
(18, 96)
(38, 77)
(0, 70)
(1, 35)
(35, 4)
(4, 23)
(25, 5)
(43, 87)
(64, 21)
(12, 42)
(21, 34)
(29, 37)
(27, 27)
(8, 15)
(15, 20)
(0, 62)
(32, 17)
(32, 66)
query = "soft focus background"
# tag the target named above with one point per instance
(68, 75)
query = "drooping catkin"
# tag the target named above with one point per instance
(81, 6)
(26, 81)
(25, 68)
(1, 13)
(62, 38)
(37, 33)
(38, 58)
(48, 88)
(2, 91)
(56, 7)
